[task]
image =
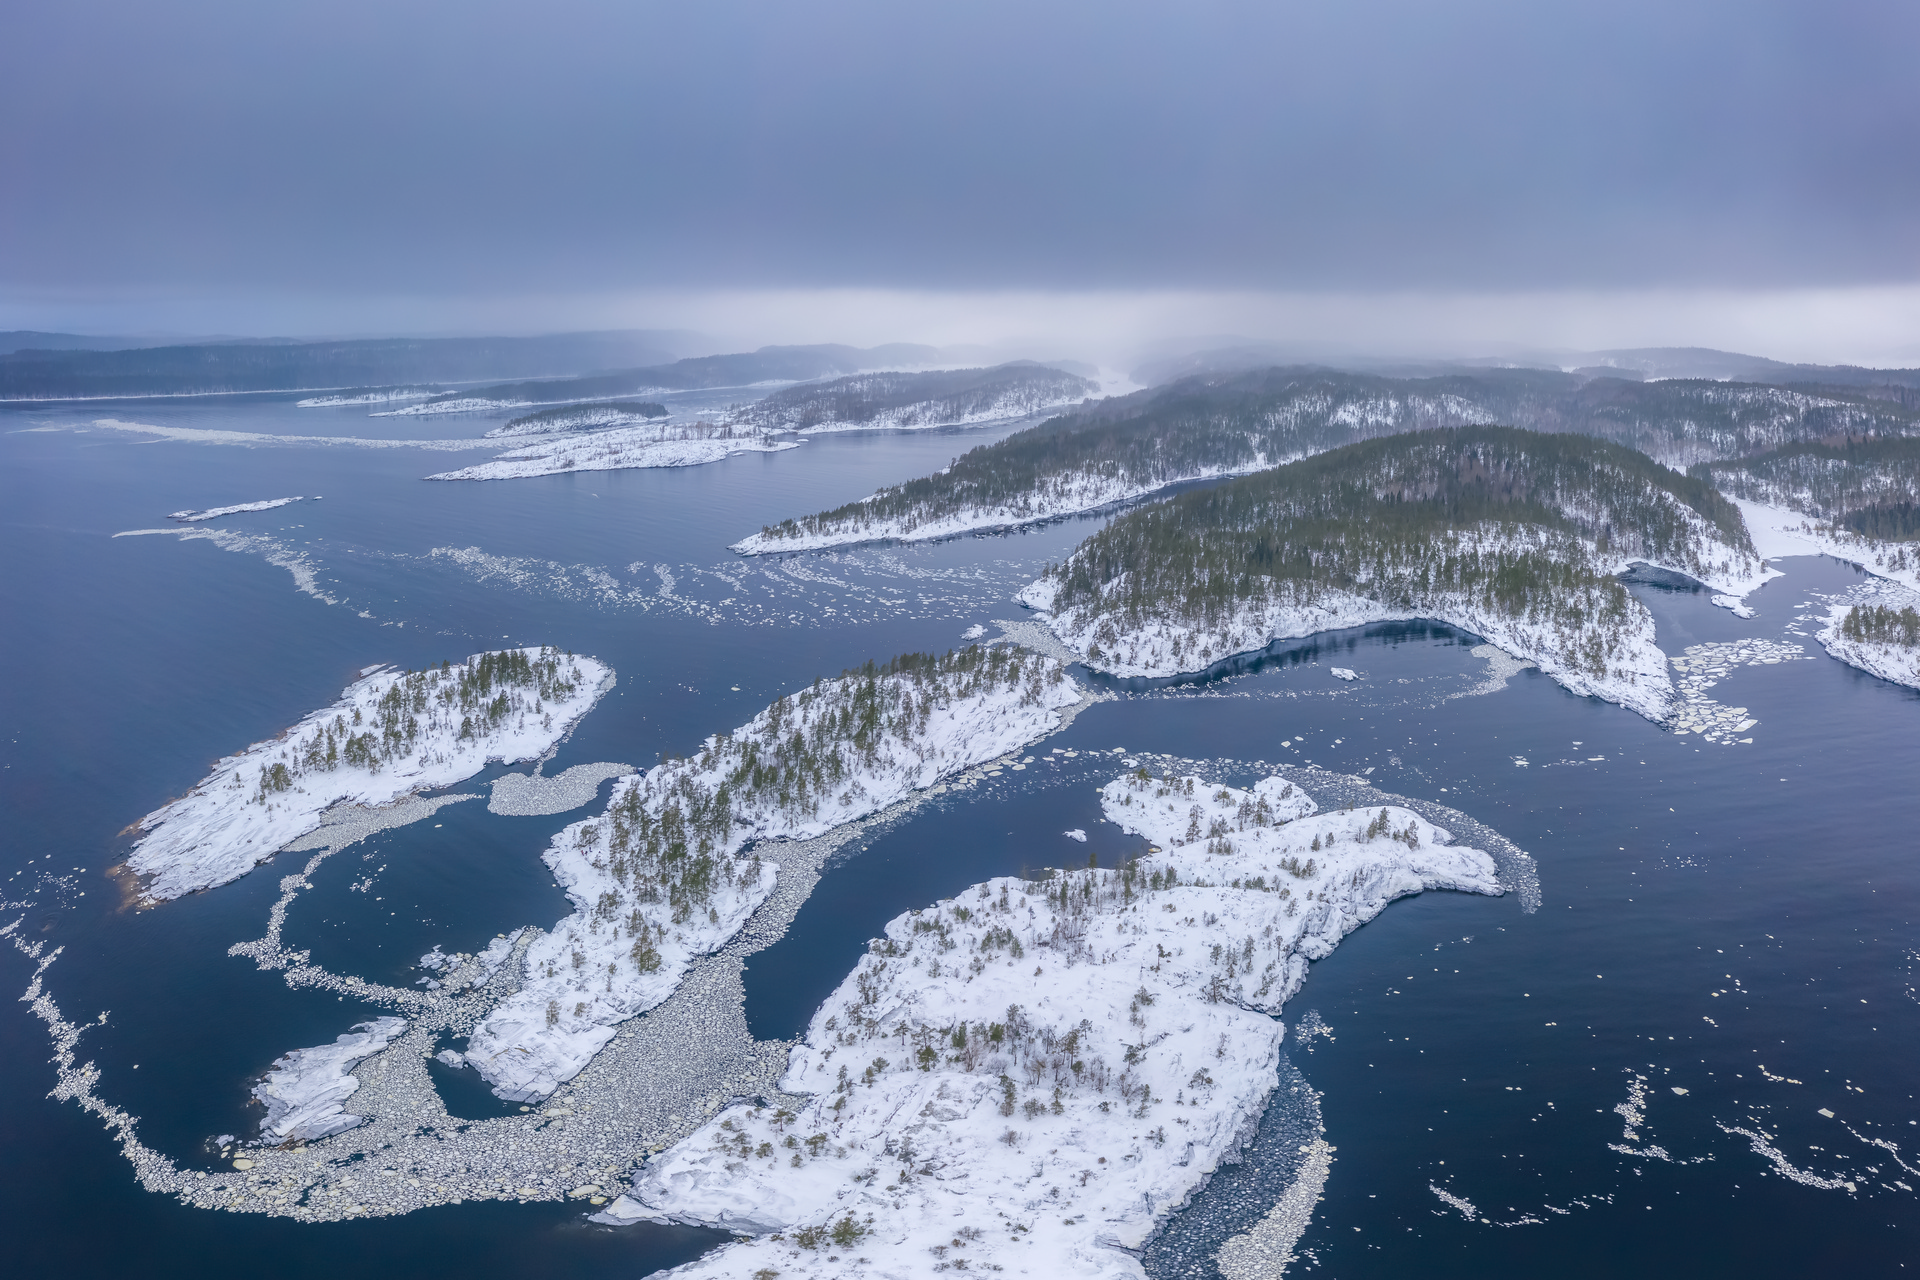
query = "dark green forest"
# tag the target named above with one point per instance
(947, 395)
(1234, 423)
(768, 364)
(638, 408)
(1879, 624)
(1400, 521)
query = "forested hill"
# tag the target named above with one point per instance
(1210, 426)
(740, 369)
(300, 366)
(1511, 534)
(934, 398)
(1867, 487)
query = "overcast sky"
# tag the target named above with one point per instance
(398, 166)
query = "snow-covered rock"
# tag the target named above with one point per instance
(1029, 1076)
(306, 1090)
(391, 734)
(659, 879)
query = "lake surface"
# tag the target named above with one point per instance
(1735, 921)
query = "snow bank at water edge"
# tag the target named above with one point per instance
(191, 516)
(616, 450)
(1891, 659)
(1030, 1076)
(1065, 495)
(389, 735)
(305, 1090)
(379, 395)
(1778, 532)
(658, 880)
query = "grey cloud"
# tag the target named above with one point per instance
(478, 149)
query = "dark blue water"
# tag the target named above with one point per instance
(1667, 866)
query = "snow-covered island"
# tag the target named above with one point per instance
(621, 448)
(191, 516)
(391, 734)
(581, 417)
(1515, 536)
(666, 873)
(909, 401)
(1199, 428)
(1032, 1075)
(366, 395)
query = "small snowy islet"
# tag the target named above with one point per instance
(255, 802)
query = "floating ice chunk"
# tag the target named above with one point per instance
(973, 632)
(1345, 673)
(305, 1090)
(1076, 834)
(1735, 605)
(530, 795)
(452, 1057)
(191, 516)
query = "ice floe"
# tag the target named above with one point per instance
(390, 734)
(306, 1090)
(214, 513)
(1700, 667)
(530, 795)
